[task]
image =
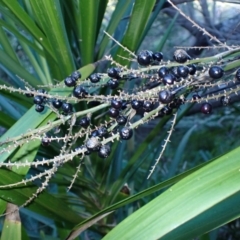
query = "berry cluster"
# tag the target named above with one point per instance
(93, 113)
(165, 86)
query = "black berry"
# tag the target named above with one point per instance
(192, 69)
(157, 56)
(76, 75)
(121, 120)
(69, 82)
(183, 71)
(95, 77)
(94, 133)
(93, 144)
(163, 71)
(148, 106)
(102, 132)
(38, 99)
(113, 112)
(165, 96)
(145, 58)
(126, 133)
(116, 104)
(169, 79)
(67, 108)
(215, 72)
(181, 56)
(104, 151)
(45, 141)
(113, 84)
(206, 108)
(57, 103)
(84, 122)
(79, 92)
(136, 104)
(114, 73)
(39, 107)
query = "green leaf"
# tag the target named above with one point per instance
(19, 16)
(200, 202)
(45, 204)
(139, 18)
(49, 16)
(13, 66)
(121, 7)
(87, 28)
(5, 120)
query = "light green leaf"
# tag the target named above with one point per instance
(200, 202)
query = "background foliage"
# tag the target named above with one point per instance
(42, 42)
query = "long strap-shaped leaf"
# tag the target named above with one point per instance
(204, 200)
(141, 12)
(49, 16)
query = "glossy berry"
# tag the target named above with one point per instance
(38, 99)
(145, 58)
(157, 56)
(79, 92)
(163, 71)
(94, 133)
(206, 108)
(166, 110)
(57, 103)
(165, 96)
(215, 72)
(121, 120)
(183, 71)
(237, 75)
(192, 69)
(45, 141)
(84, 149)
(93, 144)
(39, 107)
(113, 112)
(76, 75)
(225, 100)
(104, 151)
(114, 73)
(116, 104)
(84, 122)
(136, 104)
(95, 77)
(69, 82)
(102, 131)
(147, 106)
(181, 56)
(113, 84)
(169, 79)
(67, 108)
(126, 133)
(196, 97)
